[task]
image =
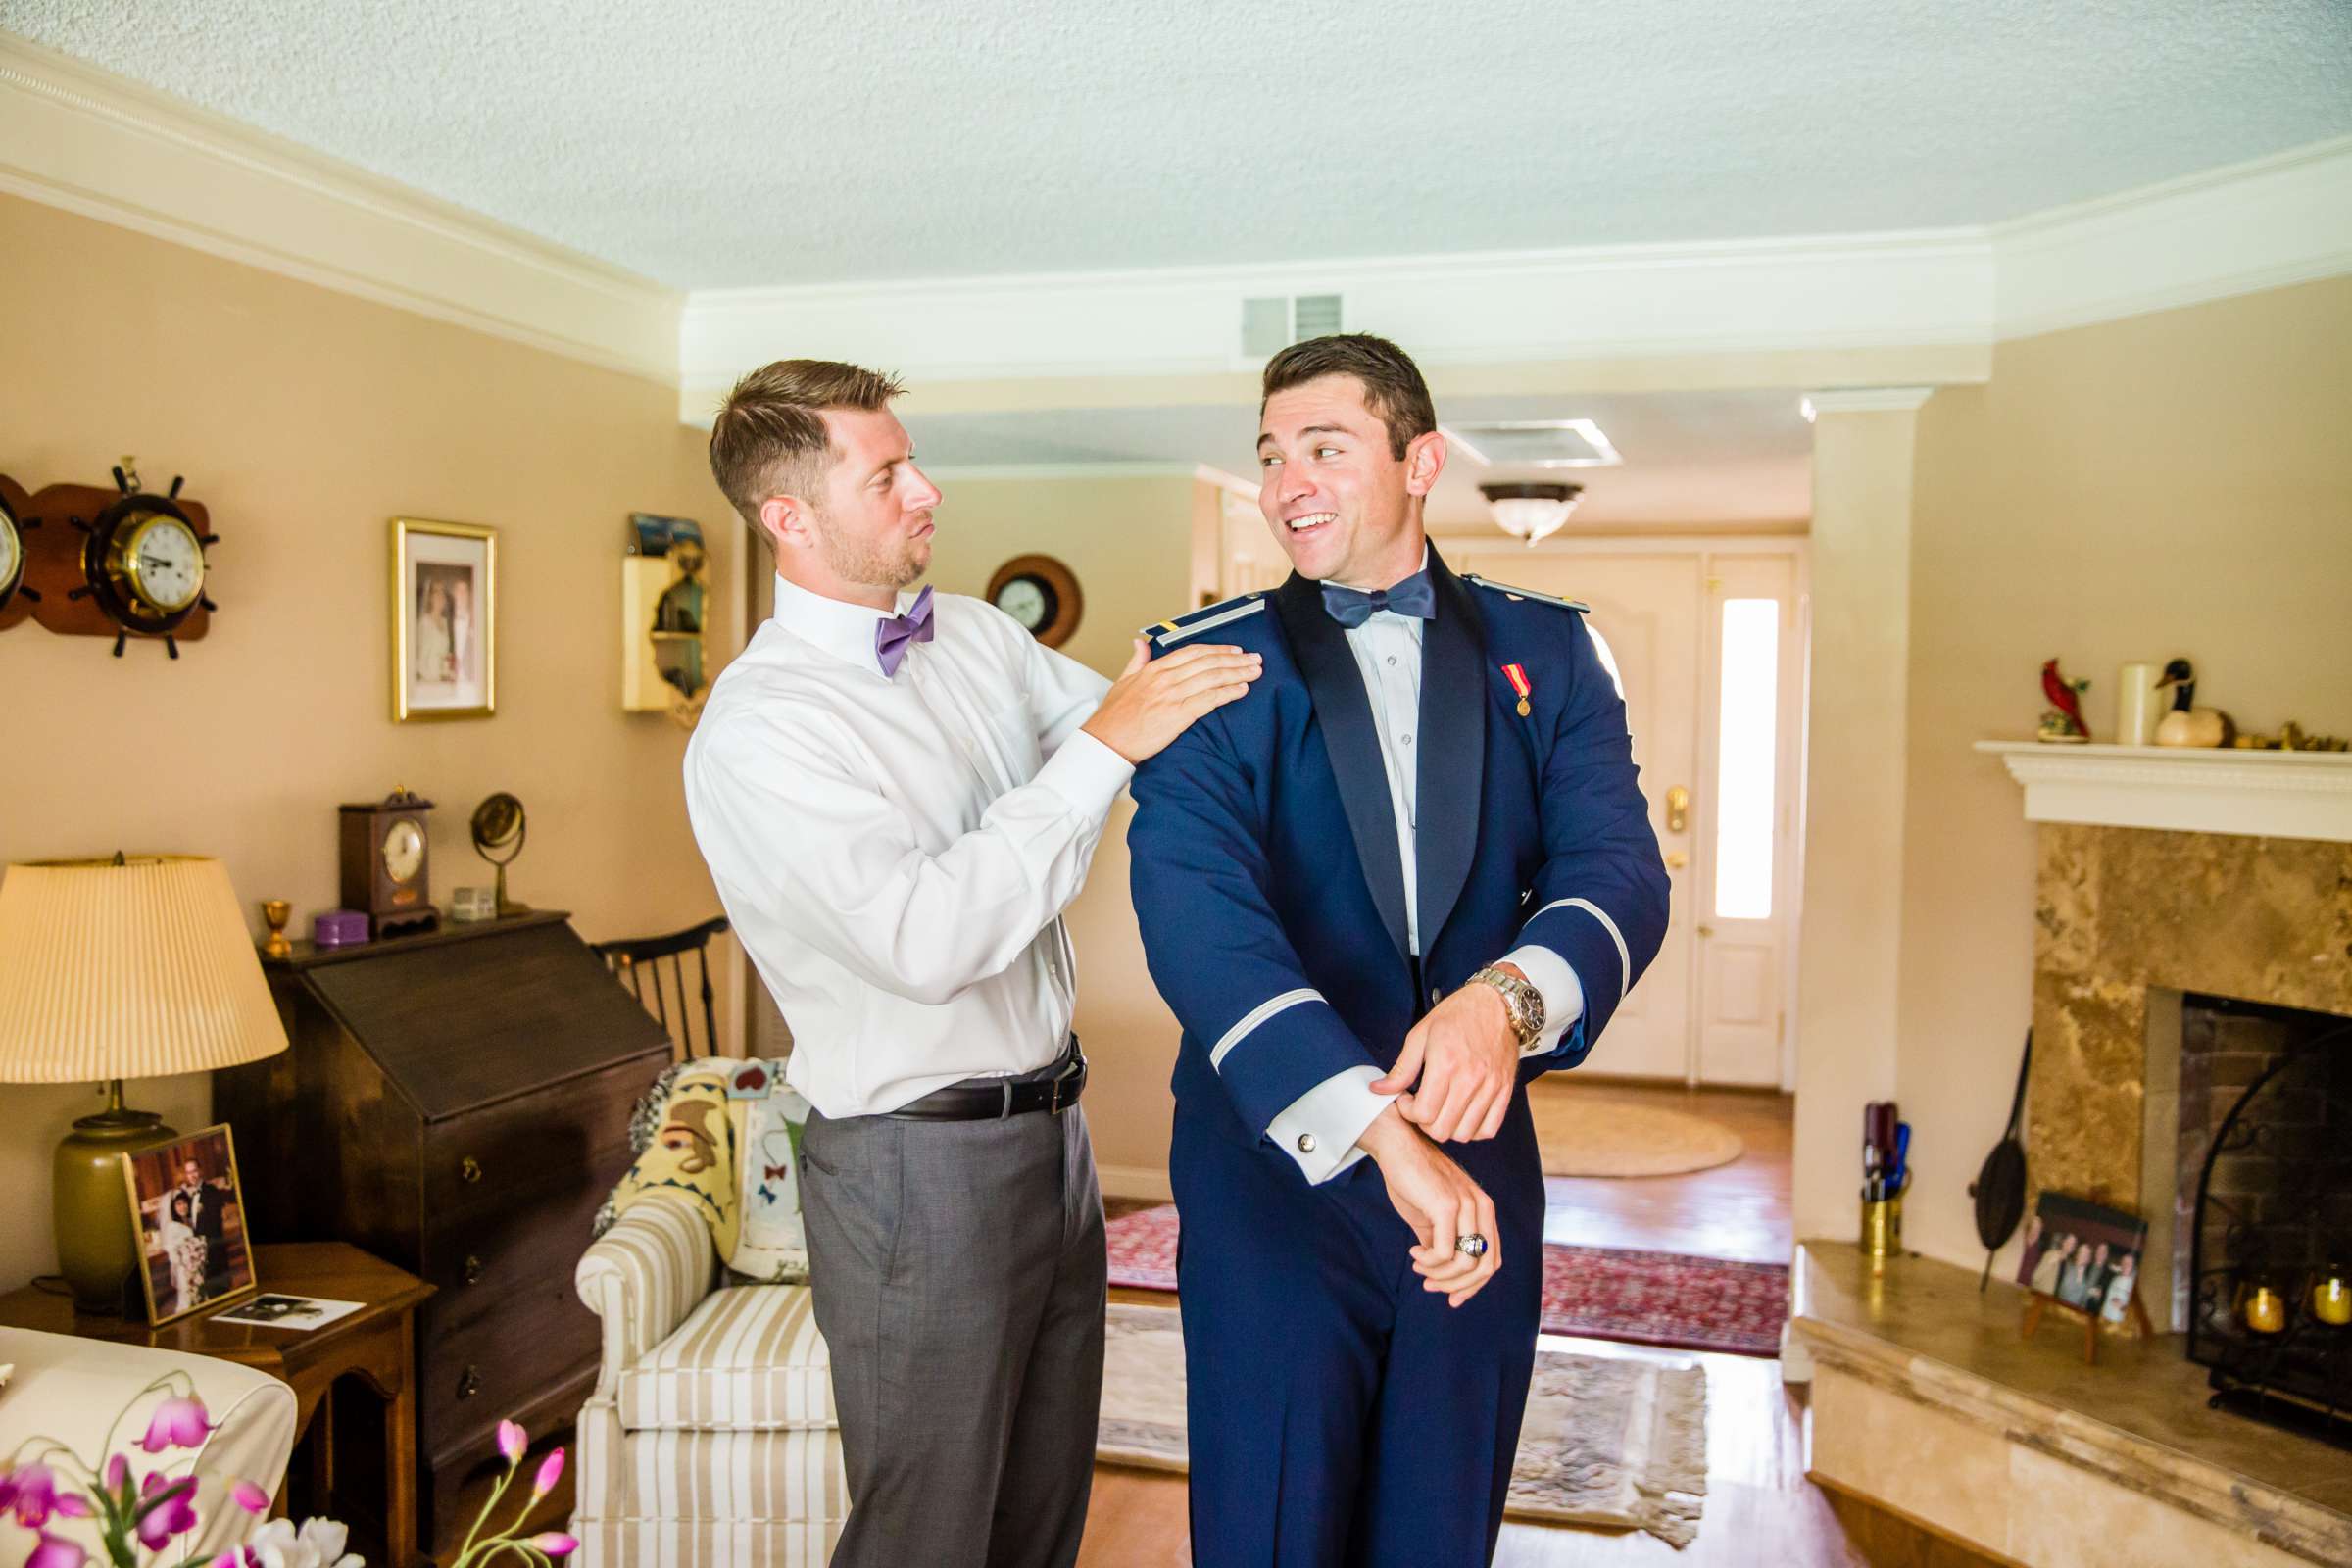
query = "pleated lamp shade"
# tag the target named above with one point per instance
(136, 971)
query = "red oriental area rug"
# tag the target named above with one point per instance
(1602, 1292)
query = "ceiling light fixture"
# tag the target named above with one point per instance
(1531, 511)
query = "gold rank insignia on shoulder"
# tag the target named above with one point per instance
(1516, 595)
(1166, 632)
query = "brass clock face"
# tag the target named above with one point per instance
(160, 562)
(12, 554)
(403, 849)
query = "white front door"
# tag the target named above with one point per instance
(1708, 645)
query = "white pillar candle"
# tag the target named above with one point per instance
(2139, 704)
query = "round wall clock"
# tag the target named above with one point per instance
(12, 555)
(1040, 593)
(144, 562)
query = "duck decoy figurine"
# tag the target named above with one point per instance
(2187, 724)
(2062, 724)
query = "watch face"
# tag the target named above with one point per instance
(403, 849)
(1027, 601)
(164, 561)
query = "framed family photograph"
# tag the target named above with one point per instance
(190, 1215)
(2083, 1255)
(444, 620)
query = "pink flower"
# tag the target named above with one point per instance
(55, 1551)
(117, 1471)
(250, 1497)
(512, 1440)
(178, 1423)
(556, 1543)
(235, 1557)
(74, 1506)
(551, 1470)
(166, 1508)
(31, 1491)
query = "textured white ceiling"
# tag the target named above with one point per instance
(1690, 457)
(736, 142)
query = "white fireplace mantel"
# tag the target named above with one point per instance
(2279, 795)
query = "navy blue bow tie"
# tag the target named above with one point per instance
(1353, 607)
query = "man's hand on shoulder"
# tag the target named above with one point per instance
(1441, 1203)
(1154, 700)
(1466, 1057)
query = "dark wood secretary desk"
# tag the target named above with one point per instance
(458, 1104)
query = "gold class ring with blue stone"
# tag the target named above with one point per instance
(1471, 1245)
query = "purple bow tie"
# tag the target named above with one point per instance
(893, 633)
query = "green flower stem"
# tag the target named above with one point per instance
(465, 1553)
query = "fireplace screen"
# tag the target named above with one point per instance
(2272, 1262)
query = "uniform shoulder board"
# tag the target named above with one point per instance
(1517, 594)
(1164, 633)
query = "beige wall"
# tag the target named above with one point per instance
(1130, 543)
(305, 418)
(2172, 484)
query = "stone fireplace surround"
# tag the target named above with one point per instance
(2160, 874)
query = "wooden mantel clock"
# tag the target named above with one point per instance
(384, 850)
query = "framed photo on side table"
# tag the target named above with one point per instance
(189, 1212)
(444, 620)
(2084, 1258)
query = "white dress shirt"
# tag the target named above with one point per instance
(895, 852)
(1334, 1114)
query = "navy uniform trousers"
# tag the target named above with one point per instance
(1339, 1413)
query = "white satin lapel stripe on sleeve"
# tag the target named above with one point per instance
(1625, 959)
(1256, 1017)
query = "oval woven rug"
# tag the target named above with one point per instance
(1586, 1135)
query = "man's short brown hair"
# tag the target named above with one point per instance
(769, 438)
(1392, 386)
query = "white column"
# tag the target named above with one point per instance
(1855, 734)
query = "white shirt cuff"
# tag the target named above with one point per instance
(1319, 1128)
(1087, 774)
(1562, 992)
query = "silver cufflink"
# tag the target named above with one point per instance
(1307, 1143)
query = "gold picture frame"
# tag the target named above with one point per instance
(174, 1281)
(444, 620)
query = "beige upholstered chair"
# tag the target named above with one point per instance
(711, 1437)
(72, 1390)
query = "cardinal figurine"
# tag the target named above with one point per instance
(2063, 724)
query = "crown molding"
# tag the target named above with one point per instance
(90, 142)
(2265, 223)
(1865, 400)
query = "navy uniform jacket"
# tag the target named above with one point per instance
(1265, 869)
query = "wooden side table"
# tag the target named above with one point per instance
(377, 1342)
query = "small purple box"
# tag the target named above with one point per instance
(339, 928)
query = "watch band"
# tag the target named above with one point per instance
(1522, 1000)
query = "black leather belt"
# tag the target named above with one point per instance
(995, 1099)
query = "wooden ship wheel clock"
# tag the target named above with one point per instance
(90, 562)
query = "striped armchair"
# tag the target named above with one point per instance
(711, 1438)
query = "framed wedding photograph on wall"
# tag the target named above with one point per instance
(189, 1213)
(444, 620)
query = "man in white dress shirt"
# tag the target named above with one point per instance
(897, 796)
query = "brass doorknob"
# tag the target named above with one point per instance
(1676, 859)
(1677, 809)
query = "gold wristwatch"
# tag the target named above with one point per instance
(1522, 1000)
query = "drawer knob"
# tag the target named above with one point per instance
(469, 1384)
(471, 1168)
(473, 1269)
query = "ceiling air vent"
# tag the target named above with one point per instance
(1272, 323)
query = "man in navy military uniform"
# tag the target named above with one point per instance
(1408, 872)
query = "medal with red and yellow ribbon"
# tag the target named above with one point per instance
(1517, 676)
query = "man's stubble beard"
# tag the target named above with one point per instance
(856, 561)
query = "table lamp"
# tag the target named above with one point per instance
(133, 967)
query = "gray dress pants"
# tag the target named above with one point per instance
(958, 1275)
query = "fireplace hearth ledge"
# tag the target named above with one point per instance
(1926, 1401)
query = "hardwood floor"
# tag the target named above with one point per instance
(1760, 1508)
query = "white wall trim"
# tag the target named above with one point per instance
(92, 143)
(2282, 795)
(1864, 400)
(2265, 223)
(1135, 1181)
